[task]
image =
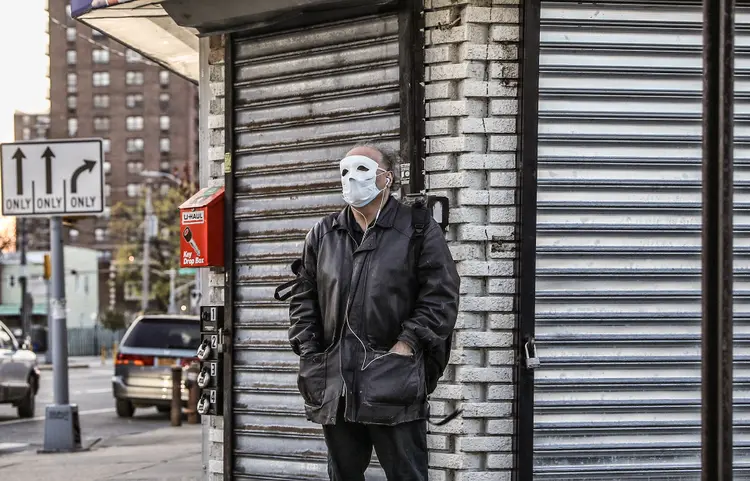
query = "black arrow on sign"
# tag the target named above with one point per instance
(47, 156)
(19, 170)
(87, 165)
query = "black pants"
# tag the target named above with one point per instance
(401, 449)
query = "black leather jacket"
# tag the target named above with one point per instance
(355, 303)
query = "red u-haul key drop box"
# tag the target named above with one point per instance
(202, 229)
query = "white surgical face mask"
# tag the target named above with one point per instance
(358, 180)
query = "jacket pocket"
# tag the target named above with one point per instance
(393, 379)
(312, 378)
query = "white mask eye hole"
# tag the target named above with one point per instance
(362, 168)
(344, 172)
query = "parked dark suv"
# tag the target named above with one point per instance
(149, 349)
(19, 374)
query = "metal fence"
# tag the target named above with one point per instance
(88, 341)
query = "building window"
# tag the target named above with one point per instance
(131, 56)
(26, 133)
(106, 145)
(72, 126)
(71, 57)
(101, 101)
(164, 145)
(135, 145)
(135, 167)
(133, 78)
(134, 100)
(164, 166)
(164, 98)
(134, 123)
(99, 234)
(70, 34)
(101, 79)
(107, 167)
(101, 123)
(68, 12)
(164, 78)
(164, 122)
(72, 83)
(133, 190)
(100, 56)
(72, 102)
(164, 188)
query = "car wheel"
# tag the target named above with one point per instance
(124, 408)
(27, 406)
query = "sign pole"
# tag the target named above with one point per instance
(59, 328)
(62, 430)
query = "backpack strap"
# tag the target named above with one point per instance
(419, 221)
(300, 274)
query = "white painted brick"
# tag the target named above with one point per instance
(464, 215)
(505, 15)
(455, 71)
(501, 215)
(505, 2)
(487, 304)
(483, 339)
(503, 357)
(505, 392)
(455, 3)
(485, 268)
(456, 108)
(459, 425)
(507, 73)
(483, 374)
(470, 320)
(216, 174)
(469, 357)
(505, 33)
(473, 161)
(473, 33)
(215, 280)
(503, 179)
(435, 475)
(461, 252)
(499, 461)
(488, 409)
(500, 125)
(503, 107)
(440, 54)
(472, 88)
(469, 232)
(458, 392)
(443, 126)
(216, 154)
(437, 17)
(483, 476)
(216, 122)
(217, 89)
(455, 461)
(471, 286)
(216, 466)
(215, 435)
(435, 441)
(456, 180)
(503, 196)
(503, 143)
(473, 197)
(439, 90)
(473, 444)
(474, 14)
(486, 52)
(501, 286)
(502, 321)
(500, 426)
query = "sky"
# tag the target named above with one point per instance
(24, 83)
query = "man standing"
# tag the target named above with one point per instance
(371, 319)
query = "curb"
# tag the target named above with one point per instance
(48, 367)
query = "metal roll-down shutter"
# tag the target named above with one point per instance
(618, 287)
(301, 99)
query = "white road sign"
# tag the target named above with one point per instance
(52, 177)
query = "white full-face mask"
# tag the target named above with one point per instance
(358, 180)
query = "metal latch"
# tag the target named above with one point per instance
(532, 361)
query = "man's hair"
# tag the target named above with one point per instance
(391, 161)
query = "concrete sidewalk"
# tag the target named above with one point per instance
(166, 454)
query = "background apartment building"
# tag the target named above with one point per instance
(146, 116)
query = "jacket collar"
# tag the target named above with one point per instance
(385, 220)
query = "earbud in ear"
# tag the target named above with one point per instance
(387, 181)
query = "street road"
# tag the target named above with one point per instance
(91, 390)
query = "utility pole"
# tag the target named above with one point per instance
(172, 305)
(146, 288)
(22, 280)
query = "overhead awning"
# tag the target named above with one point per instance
(144, 26)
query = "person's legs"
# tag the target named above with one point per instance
(402, 450)
(349, 449)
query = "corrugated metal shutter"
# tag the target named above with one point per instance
(302, 99)
(618, 256)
